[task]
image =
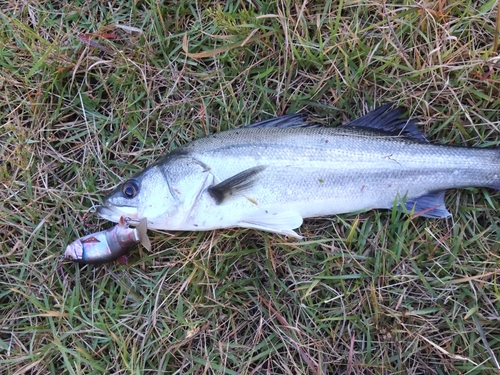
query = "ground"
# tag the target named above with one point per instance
(93, 91)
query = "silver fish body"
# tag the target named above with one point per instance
(271, 175)
(107, 245)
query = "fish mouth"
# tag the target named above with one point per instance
(113, 213)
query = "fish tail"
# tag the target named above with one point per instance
(142, 229)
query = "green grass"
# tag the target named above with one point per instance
(373, 293)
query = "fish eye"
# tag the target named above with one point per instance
(130, 188)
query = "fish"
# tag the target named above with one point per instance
(271, 175)
(108, 245)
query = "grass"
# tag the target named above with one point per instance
(91, 92)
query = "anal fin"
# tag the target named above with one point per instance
(429, 205)
(281, 222)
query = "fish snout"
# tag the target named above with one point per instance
(114, 213)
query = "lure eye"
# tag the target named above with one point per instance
(130, 189)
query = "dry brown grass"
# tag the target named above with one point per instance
(85, 100)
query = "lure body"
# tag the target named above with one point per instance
(108, 245)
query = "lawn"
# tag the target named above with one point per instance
(94, 91)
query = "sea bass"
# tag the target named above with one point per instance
(272, 174)
(108, 245)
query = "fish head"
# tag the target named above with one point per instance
(164, 194)
(142, 196)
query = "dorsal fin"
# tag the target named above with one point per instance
(388, 120)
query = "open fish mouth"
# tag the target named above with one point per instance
(114, 213)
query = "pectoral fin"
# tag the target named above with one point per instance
(233, 185)
(281, 222)
(430, 205)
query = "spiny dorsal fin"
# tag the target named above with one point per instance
(235, 184)
(387, 120)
